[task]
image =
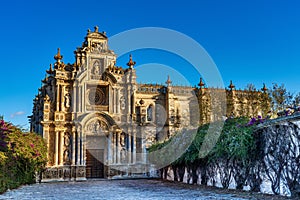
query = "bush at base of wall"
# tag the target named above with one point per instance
(22, 156)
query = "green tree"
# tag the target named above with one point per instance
(280, 97)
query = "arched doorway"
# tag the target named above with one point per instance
(96, 147)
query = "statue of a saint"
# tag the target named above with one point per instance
(68, 100)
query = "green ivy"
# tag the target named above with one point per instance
(235, 142)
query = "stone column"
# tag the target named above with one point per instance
(83, 150)
(134, 148)
(56, 147)
(82, 98)
(118, 147)
(143, 139)
(73, 147)
(79, 99)
(109, 149)
(74, 100)
(61, 146)
(129, 146)
(110, 100)
(114, 100)
(48, 139)
(114, 143)
(62, 98)
(78, 146)
(57, 97)
(117, 101)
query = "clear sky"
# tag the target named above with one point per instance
(255, 41)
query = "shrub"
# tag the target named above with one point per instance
(22, 155)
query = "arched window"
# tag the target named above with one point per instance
(150, 113)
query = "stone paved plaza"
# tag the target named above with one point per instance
(119, 189)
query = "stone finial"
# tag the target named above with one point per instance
(58, 56)
(89, 31)
(131, 63)
(264, 89)
(96, 29)
(201, 84)
(50, 71)
(231, 86)
(168, 82)
(45, 79)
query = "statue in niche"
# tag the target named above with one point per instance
(96, 69)
(66, 156)
(123, 155)
(67, 139)
(122, 103)
(122, 139)
(68, 100)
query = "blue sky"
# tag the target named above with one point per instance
(250, 41)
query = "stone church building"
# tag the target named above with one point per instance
(98, 121)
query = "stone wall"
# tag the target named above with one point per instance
(274, 169)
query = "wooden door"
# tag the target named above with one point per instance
(94, 165)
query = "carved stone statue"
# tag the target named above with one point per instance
(67, 140)
(66, 156)
(123, 155)
(68, 100)
(122, 103)
(96, 127)
(122, 139)
(96, 68)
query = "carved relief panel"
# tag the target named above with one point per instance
(99, 46)
(97, 68)
(97, 127)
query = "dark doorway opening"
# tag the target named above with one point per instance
(94, 165)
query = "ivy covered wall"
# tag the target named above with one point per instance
(246, 156)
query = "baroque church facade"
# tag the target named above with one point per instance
(98, 121)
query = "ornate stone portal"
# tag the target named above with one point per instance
(98, 121)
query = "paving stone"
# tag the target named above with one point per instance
(113, 189)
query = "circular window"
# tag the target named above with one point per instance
(96, 97)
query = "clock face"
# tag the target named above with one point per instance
(96, 97)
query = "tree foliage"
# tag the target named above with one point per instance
(281, 98)
(22, 156)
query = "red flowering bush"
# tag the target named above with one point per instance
(22, 155)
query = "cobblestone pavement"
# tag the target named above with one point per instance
(118, 189)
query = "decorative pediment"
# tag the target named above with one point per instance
(96, 41)
(96, 34)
